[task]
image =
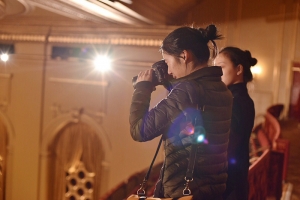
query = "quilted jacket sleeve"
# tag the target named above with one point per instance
(147, 124)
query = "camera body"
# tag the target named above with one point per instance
(160, 74)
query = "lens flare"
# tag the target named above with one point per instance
(232, 161)
(4, 57)
(200, 138)
(102, 63)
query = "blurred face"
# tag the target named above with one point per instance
(176, 66)
(231, 74)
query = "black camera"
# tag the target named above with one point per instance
(160, 75)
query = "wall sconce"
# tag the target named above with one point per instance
(256, 70)
(5, 51)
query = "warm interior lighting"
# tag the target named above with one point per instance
(256, 70)
(4, 57)
(102, 63)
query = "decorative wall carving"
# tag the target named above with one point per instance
(58, 110)
(97, 115)
(79, 183)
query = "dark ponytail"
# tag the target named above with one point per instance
(240, 57)
(194, 39)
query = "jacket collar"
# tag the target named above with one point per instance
(213, 71)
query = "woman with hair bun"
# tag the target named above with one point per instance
(197, 90)
(236, 65)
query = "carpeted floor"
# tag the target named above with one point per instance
(290, 129)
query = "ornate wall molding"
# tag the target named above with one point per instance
(23, 38)
(76, 114)
(82, 40)
(50, 133)
(103, 40)
(13, 7)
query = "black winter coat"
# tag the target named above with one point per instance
(172, 116)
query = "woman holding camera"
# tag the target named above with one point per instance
(236, 65)
(196, 90)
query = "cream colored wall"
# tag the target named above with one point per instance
(23, 111)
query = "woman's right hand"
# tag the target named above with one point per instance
(145, 75)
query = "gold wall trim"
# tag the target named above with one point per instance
(113, 41)
(82, 40)
(24, 38)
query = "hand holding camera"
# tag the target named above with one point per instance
(158, 75)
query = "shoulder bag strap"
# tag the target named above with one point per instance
(198, 123)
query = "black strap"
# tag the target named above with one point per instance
(193, 154)
(141, 191)
(192, 160)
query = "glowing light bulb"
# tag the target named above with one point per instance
(255, 70)
(102, 63)
(4, 57)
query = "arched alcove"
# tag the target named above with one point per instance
(6, 160)
(50, 134)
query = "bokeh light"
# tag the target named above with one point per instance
(102, 63)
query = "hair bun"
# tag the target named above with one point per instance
(209, 33)
(252, 61)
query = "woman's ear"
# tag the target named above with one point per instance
(183, 55)
(186, 55)
(240, 69)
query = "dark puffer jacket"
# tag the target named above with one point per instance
(171, 117)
